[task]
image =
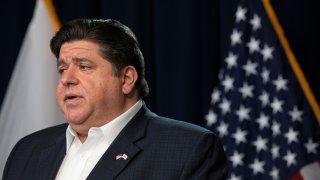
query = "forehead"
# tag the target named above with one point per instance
(79, 49)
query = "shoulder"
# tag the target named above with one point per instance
(32, 144)
(177, 130)
(45, 135)
(177, 125)
(48, 132)
(163, 126)
(193, 143)
(28, 149)
(196, 150)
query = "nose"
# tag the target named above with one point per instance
(69, 77)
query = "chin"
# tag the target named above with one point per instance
(74, 118)
(75, 121)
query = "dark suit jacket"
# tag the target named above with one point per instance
(157, 148)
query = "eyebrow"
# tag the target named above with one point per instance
(77, 60)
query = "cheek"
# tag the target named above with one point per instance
(108, 89)
(59, 95)
(99, 90)
(91, 89)
(58, 91)
(111, 86)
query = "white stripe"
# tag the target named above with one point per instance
(311, 171)
(29, 104)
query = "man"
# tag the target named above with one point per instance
(111, 134)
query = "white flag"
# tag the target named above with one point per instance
(29, 104)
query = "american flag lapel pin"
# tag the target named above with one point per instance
(121, 157)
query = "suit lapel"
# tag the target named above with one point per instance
(51, 158)
(109, 166)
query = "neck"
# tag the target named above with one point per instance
(82, 137)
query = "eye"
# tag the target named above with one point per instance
(61, 69)
(84, 67)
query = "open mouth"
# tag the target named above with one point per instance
(71, 98)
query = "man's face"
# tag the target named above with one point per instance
(87, 93)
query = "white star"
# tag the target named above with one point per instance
(290, 158)
(231, 60)
(267, 52)
(223, 129)
(253, 45)
(260, 144)
(311, 146)
(250, 68)
(211, 118)
(257, 166)
(276, 105)
(264, 98)
(274, 173)
(263, 121)
(280, 83)
(240, 136)
(296, 114)
(234, 177)
(265, 75)
(225, 106)
(235, 37)
(275, 129)
(243, 113)
(215, 96)
(291, 136)
(255, 22)
(246, 90)
(236, 159)
(241, 14)
(228, 83)
(275, 151)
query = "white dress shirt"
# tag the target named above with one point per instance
(81, 158)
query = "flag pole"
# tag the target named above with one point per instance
(52, 14)
(292, 59)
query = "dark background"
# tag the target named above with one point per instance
(183, 41)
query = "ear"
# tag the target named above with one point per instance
(129, 78)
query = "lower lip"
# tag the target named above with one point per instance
(72, 101)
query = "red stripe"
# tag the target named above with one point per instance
(297, 176)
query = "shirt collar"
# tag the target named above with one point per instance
(111, 129)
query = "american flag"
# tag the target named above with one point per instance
(258, 109)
